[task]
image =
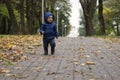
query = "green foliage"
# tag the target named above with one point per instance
(3, 10)
(17, 14)
(64, 14)
(81, 31)
(49, 6)
(82, 23)
(112, 14)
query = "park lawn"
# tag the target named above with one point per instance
(14, 48)
(112, 39)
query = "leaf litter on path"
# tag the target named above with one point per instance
(14, 47)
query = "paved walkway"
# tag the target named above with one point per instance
(75, 59)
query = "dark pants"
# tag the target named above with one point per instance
(46, 43)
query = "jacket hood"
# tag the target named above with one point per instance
(47, 14)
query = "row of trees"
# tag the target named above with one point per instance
(19, 16)
(112, 16)
(100, 19)
(24, 16)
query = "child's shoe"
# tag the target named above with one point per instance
(52, 52)
(46, 53)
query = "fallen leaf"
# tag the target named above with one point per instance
(14, 47)
(76, 63)
(68, 75)
(9, 74)
(65, 67)
(52, 73)
(92, 79)
(81, 56)
(90, 63)
(82, 50)
(24, 58)
(102, 57)
(32, 52)
(9, 45)
(84, 56)
(30, 47)
(76, 71)
(2, 70)
(97, 51)
(37, 69)
(17, 68)
(21, 76)
(119, 56)
(83, 64)
(87, 56)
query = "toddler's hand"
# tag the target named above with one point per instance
(56, 37)
(43, 32)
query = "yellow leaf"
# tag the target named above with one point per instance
(90, 63)
(9, 45)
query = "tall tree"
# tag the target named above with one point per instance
(14, 24)
(27, 13)
(22, 17)
(101, 18)
(3, 18)
(113, 15)
(3, 25)
(88, 7)
(30, 16)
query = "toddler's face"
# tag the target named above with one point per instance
(50, 19)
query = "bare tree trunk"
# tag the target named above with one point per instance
(22, 17)
(101, 18)
(30, 13)
(88, 10)
(89, 26)
(29, 16)
(3, 24)
(34, 15)
(8, 26)
(118, 30)
(14, 24)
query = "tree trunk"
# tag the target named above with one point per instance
(89, 26)
(30, 14)
(14, 24)
(34, 15)
(88, 10)
(8, 26)
(101, 18)
(22, 17)
(0, 23)
(118, 30)
(3, 25)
